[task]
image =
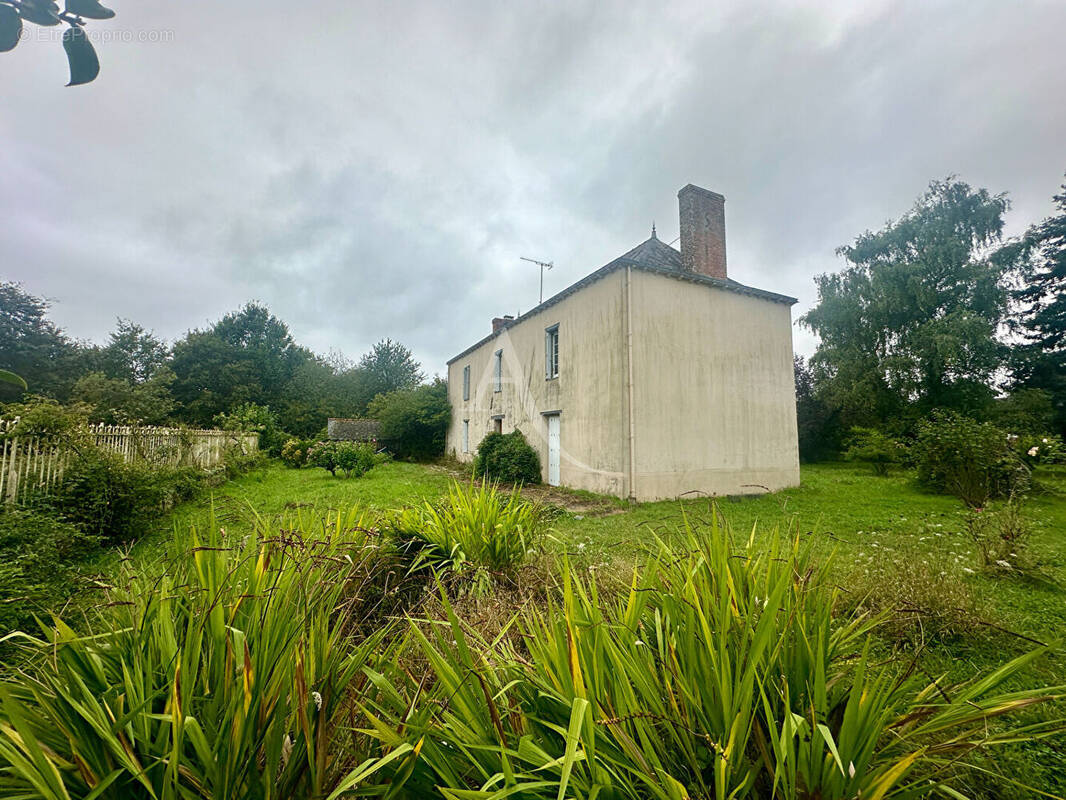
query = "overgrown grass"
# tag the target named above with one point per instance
(229, 671)
(721, 673)
(873, 524)
(473, 538)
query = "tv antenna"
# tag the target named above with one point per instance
(543, 266)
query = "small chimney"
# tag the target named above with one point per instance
(702, 231)
(499, 322)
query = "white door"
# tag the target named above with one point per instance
(553, 450)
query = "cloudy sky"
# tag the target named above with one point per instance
(373, 169)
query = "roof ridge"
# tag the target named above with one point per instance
(727, 284)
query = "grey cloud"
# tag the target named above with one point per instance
(376, 169)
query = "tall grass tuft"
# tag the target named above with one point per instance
(475, 535)
(229, 674)
(722, 673)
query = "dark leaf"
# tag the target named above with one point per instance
(11, 377)
(90, 9)
(10, 28)
(40, 12)
(84, 65)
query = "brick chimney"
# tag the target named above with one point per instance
(702, 231)
(499, 322)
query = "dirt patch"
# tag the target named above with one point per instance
(579, 504)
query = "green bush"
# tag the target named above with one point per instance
(475, 535)
(972, 460)
(352, 458)
(872, 447)
(251, 417)
(721, 674)
(414, 422)
(107, 497)
(1034, 449)
(38, 554)
(231, 674)
(507, 457)
(294, 452)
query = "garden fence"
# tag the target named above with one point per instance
(32, 463)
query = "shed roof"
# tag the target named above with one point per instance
(651, 255)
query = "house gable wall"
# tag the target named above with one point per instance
(714, 395)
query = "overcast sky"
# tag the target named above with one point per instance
(373, 169)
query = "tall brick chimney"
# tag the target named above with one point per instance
(702, 231)
(499, 322)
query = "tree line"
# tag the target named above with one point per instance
(937, 310)
(248, 358)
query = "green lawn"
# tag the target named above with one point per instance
(871, 525)
(863, 519)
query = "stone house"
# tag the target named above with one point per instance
(654, 376)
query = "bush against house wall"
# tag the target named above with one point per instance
(507, 457)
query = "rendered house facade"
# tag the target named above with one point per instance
(652, 377)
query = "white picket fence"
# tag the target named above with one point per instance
(31, 464)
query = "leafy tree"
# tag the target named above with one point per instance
(819, 433)
(911, 323)
(31, 346)
(388, 367)
(1024, 411)
(133, 353)
(117, 401)
(414, 422)
(1040, 363)
(248, 356)
(84, 64)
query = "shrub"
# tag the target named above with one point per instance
(507, 457)
(1034, 449)
(1001, 536)
(351, 458)
(414, 422)
(872, 447)
(476, 534)
(252, 417)
(722, 673)
(972, 460)
(294, 452)
(37, 557)
(231, 675)
(107, 497)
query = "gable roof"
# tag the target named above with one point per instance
(651, 255)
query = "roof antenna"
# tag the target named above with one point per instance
(543, 266)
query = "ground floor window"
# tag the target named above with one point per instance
(466, 436)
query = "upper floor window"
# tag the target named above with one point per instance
(466, 382)
(497, 372)
(551, 352)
